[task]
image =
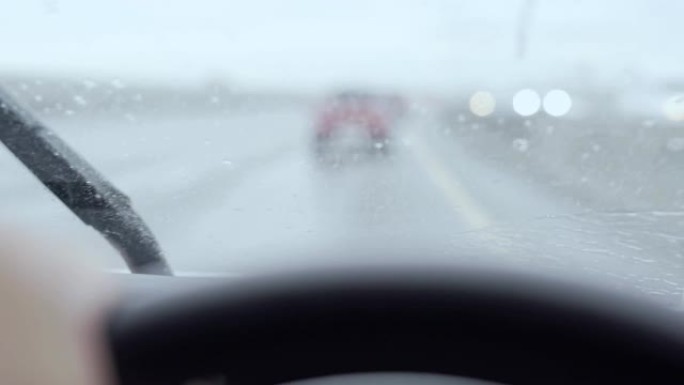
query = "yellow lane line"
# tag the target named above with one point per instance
(459, 199)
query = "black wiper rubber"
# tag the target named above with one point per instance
(80, 187)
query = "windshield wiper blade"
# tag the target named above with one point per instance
(80, 187)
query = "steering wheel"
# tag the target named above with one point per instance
(491, 325)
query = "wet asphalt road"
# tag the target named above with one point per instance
(243, 192)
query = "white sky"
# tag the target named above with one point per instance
(319, 43)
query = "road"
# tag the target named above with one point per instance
(241, 191)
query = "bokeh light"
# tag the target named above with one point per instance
(482, 103)
(673, 108)
(557, 103)
(526, 102)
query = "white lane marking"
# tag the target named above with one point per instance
(460, 201)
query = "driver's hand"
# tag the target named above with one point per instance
(51, 315)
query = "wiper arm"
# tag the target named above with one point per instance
(80, 187)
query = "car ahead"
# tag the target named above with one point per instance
(355, 122)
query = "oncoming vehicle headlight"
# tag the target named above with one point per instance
(557, 103)
(526, 102)
(482, 103)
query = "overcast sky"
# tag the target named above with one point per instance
(318, 43)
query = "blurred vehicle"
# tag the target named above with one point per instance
(394, 106)
(355, 122)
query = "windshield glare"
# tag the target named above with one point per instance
(253, 135)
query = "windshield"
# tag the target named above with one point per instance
(259, 134)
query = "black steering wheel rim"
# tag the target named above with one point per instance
(491, 325)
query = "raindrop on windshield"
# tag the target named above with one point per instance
(675, 144)
(521, 144)
(89, 84)
(648, 123)
(80, 100)
(118, 83)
